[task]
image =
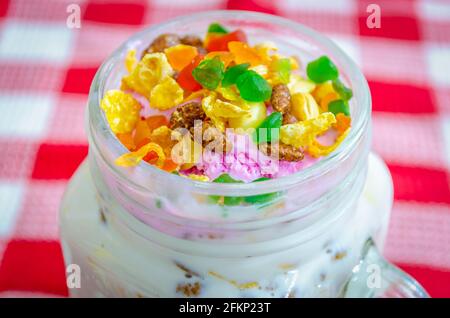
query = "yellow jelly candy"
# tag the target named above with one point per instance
(166, 94)
(304, 106)
(121, 110)
(322, 90)
(264, 51)
(132, 159)
(297, 84)
(148, 73)
(303, 133)
(180, 55)
(225, 56)
(130, 60)
(243, 53)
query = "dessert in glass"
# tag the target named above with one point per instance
(229, 156)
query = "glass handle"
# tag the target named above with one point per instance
(375, 277)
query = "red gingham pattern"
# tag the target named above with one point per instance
(43, 90)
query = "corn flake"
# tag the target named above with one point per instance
(303, 133)
(148, 73)
(166, 94)
(121, 111)
(317, 150)
(130, 60)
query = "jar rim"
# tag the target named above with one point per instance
(328, 163)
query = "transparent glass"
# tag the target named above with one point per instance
(144, 232)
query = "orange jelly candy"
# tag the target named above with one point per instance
(180, 55)
(244, 54)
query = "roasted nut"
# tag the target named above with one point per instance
(162, 42)
(283, 151)
(210, 136)
(194, 41)
(288, 118)
(185, 116)
(281, 98)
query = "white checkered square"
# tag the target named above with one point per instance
(446, 137)
(36, 42)
(434, 10)
(438, 64)
(336, 6)
(10, 203)
(25, 115)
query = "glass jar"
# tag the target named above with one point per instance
(144, 232)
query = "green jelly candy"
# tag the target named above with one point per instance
(264, 132)
(232, 73)
(209, 73)
(322, 70)
(261, 198)
(217, 28)
(253, 87)
(343, 91)
(228, 201)
(339, 106)
(282, 68)
(226, 178)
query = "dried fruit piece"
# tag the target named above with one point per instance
(322, 70)
(161, 43)
(339, 106)
(264, 133)
(344, 92)
(327, 99)
(127, 140)
(166, 94)
(225, 57)
(156, 121)
(132, 159)
(281, 98)
(253, 87)
(121, 111)
(217, 28)
(282, 151)
(209, 73)
(304, 106)
(243, 53)
(185, 116)
(185, 78)
(303, 133)
(148, 73)
(280, 71)
(180, 55)
(342, 123)
(232, 73)
(220, 42)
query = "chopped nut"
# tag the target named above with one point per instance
(189, 289)
(281, 99)
(288, 118)
(339, 255)
(162, 42)
(185, 116)
(212, 136)
(194, 41)
(284, 152)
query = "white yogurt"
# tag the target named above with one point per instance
(116, 261)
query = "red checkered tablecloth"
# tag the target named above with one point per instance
(46, 69)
